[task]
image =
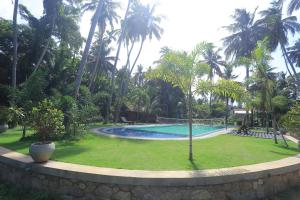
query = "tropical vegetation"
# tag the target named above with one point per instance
(46, 65)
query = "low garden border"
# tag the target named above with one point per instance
(73, 181)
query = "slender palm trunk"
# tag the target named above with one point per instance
(274, 127)
(287, 67)
(247, 87)
(87, 48)
(190, 125)
(15, 43)
(227, 111)
(123, 86)
(112, 89)
(45, 49)
(92, 77)
(127, 66)
(15, 51)
(138, 55)
(291, 64)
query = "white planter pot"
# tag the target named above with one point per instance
(41, 152)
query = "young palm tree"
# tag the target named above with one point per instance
(264, 80)
(183, 70)
(214, 61)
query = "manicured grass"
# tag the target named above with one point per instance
(217, 152)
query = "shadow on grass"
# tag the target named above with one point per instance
(68, 148)
(193, 165)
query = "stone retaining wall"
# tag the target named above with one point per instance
(72, 181)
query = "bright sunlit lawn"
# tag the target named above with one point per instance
(217, 152)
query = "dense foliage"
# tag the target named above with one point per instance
(84, 79)
(47, 121)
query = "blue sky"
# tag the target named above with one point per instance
(185, 25)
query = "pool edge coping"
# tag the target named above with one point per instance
(223, 131)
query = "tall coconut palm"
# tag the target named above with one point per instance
(120, 40)
(245, 34)
(148, 26)
(108, 16)
(87, 47)
(51, 8)
(278, 29)
(15, 43)
(95, 67)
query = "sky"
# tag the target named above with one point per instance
(186, 23)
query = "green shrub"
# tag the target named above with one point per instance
(291, 120)
(47, 120)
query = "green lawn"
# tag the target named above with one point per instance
(216, 152)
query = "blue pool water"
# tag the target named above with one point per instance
(160, 131)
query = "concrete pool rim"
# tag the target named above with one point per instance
(100, 131)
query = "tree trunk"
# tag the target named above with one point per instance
(247, 87)
(138, 55)
(23, 131)
(227, 111)
(45, 48)
(112, 90)
(274, 127)
(127, 66)
(287, 67)
(291, 64)
(190, 125)
(87, 48)
(101, 30)
(123, 86)
(15, 43)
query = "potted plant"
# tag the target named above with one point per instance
(48, 124)
(4, 118)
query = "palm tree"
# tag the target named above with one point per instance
(263, 80)
(293, 6)
(278, 29)
(245, 34)
(214, 61)
(15, 43)
(120, 40)
(108, 16)
(106, 60)
(228, 75)
(87, 47)
(51, 9)
(147, 24)
(183, 70)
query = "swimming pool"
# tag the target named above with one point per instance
(163, 131)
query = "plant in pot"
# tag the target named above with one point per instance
(48, 124)
(4, 118)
